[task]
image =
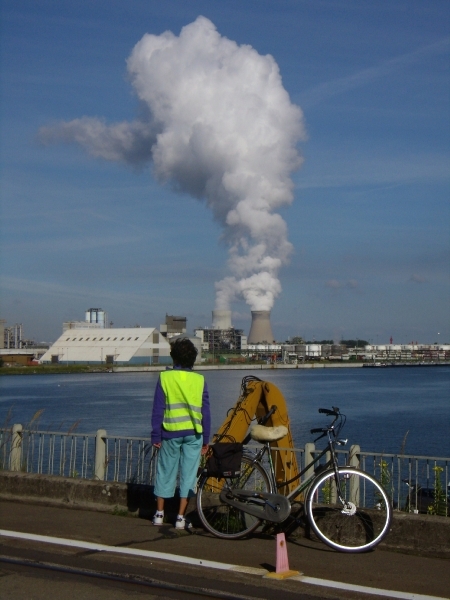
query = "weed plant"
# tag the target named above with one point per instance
(440, 504)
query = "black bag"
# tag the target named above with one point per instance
(225, 460)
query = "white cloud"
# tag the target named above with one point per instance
(220, 126)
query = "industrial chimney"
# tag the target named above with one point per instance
(221, 319)
(260, 331)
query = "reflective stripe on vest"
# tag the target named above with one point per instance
(184, 398)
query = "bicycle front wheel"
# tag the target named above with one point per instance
(357, 525)
(221, 519)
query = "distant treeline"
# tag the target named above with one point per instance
(348, 343)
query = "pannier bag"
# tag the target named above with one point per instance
(225, 460)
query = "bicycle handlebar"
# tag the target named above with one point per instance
(330, 430)
(334, 412)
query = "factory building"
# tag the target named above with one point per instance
(92, 342)
(408, 352)
(15, 349)
(221, 340)
(386, 352)
(121, 346)
(95, 318)
(11, 337)
(174, 326)
(222, 337)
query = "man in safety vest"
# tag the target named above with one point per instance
(181, 423)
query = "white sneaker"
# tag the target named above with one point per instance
(182, 523)
(158, 519)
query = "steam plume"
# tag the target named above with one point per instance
(220, 127)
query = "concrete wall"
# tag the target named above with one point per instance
(425, 535)
(51, 490)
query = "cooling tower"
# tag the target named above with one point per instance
(221, 319)
(260, 331)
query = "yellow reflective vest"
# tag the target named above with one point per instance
(184, 395)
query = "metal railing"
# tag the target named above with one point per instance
(414, 483)
(129, 460)
(87, 456)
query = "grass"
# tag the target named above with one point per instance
(24, 444)
(122, 512)
(439, 506)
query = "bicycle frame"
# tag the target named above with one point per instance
(332, 462)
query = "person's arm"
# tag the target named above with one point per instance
(206, 418)
(159, 404)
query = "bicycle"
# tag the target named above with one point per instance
(345, 507)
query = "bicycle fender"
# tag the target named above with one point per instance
(264, 505)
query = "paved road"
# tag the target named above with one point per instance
(380, 570)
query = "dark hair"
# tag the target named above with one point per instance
(183, 353)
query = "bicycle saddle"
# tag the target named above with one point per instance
(260, 433)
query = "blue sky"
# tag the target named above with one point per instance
(369, 222)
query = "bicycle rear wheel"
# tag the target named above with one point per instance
(361, 523)
(221, 519)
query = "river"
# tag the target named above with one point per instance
(386, 409)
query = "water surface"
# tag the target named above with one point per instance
(384, 407)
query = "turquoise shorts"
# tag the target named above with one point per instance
(178, 454)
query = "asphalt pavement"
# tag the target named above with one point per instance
(125, 550)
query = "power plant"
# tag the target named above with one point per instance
(260, 330)
(223, 336)
(221, 319)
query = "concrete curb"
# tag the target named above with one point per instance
(425, 535)
(82, 494)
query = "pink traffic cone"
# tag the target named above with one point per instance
(282, 555)
(282, 570)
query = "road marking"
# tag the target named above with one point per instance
(120, 550)
(210, 564)
(367, 590)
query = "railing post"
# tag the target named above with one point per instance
(100, 455)
(15, 459)
(310, 449)
(354, 481)
(353, 456)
